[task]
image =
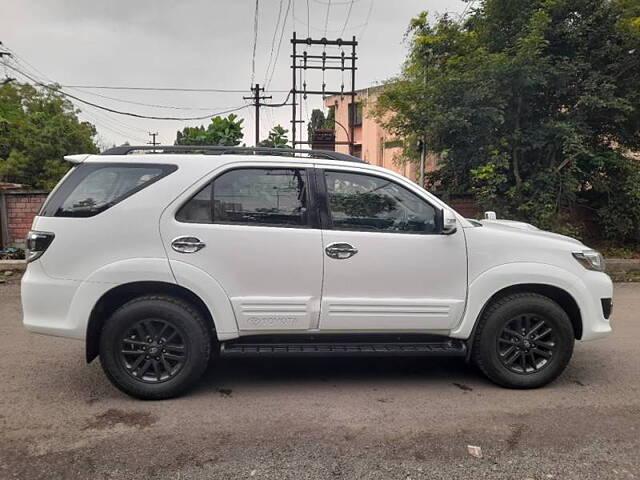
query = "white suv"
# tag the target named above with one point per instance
(159, 259)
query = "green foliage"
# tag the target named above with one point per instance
(277, 138)
(37, 128)
(531, 104)
(318, 120)
(362, 204)
(221, 131)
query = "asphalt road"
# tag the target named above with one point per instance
(338, 418)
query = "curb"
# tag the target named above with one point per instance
(13, 265)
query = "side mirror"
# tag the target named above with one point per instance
(449, 222)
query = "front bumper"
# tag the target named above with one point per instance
(596, 321)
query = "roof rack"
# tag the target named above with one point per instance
(222, 150)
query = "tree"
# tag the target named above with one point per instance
(277, 138)
(531, 104)
(37, 128)
(221, 131)
(318, 120)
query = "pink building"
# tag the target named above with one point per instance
(373, 143)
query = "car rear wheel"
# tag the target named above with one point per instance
(524, 340)
(155, 347)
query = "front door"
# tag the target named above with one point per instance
(386, 266)
(249, 229)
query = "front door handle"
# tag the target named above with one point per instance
(187, 244)
(340, 250)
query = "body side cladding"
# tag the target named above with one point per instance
(553, 282)
(118, 296)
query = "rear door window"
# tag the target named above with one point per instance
(93, 188)
(251, 196)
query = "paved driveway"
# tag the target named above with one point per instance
(338, 418)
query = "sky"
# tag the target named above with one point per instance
(197, 44)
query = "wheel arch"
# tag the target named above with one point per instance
(557, 294)
(563, 298)
(111, 300)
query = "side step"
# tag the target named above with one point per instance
(448, 348)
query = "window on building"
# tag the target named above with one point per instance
(355, 114)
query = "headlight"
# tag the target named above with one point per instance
(590, 259)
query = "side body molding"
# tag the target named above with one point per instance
(491, 281)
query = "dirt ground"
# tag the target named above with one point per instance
(315, 419)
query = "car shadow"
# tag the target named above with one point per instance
(335, 370)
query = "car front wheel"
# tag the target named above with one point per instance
(155, 347)
(524, 340)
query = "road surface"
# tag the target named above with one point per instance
(321, 418)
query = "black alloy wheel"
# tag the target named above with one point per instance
(155, 346)
(153, 350)
(523, 340)
(526, 344)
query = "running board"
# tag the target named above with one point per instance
(449, 348)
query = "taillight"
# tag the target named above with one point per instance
(37, 244)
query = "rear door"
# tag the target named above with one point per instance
(386, 266)
(251, 228)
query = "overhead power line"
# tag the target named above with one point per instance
(345, 2)
(326, 19)
(107, 109)
(275, 62)
(255, 42)
(273, 41)
(346, 20)
(161, 89)
(366, 21)
(154, 105)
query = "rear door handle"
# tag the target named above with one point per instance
(187, 244)
(340, 250)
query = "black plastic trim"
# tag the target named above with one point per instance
(245, 348)
(222, 150)
(607, 307)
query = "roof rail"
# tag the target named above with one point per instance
(222, 150)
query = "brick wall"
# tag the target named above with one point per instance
(467, 207)
(20, 208)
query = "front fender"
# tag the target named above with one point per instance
(492, 281)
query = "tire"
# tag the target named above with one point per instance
(539, 359)
(152, 334)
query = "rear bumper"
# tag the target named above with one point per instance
(46, 303)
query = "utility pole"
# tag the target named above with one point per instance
(256, 97)
(422, 149)
(153, 139)
(344, 63)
